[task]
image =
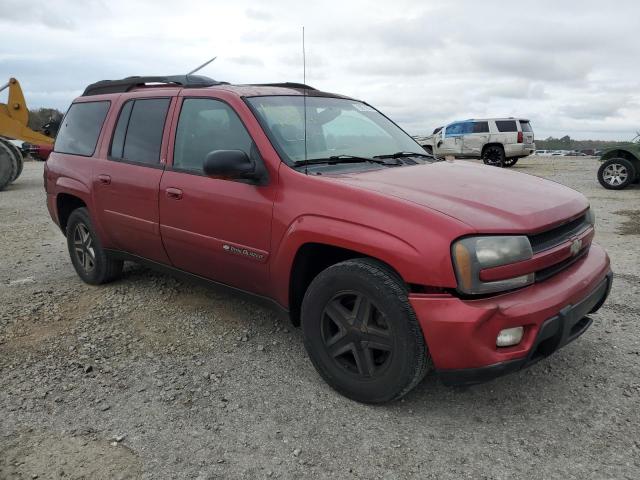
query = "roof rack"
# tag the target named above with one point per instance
(285, 85)
(126, 84)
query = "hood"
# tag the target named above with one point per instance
(489, 199)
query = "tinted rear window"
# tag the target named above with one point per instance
(506, 125)
(138, 134)
(81, 127)
(481, 127)
(526, 126)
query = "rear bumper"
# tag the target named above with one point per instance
(461, 334)
(519, 149)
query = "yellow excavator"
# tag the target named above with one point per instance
(14, 120)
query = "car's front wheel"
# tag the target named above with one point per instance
(89, 259)
(616, 173)
(361, 332)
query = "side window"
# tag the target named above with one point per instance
(206, 125)
(138, 133)
(480, 127)
(506, 125)
(467, 127)
(454, 129)
(81, 127)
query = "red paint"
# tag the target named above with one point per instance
(247, 236)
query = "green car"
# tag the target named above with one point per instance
(620, 166)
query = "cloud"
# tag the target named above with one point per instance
(568, 66)
(599, 107)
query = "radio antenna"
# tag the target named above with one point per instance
(201, 66)
(304, 101)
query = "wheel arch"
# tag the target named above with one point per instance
(491, 144)
(622, 153)
(311, 259)
(66, 203)
(313, 243)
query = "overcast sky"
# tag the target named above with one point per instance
(572, 67)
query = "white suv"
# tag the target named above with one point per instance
(498, 141)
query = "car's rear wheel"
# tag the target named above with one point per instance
(361, 332)
(616, 173)
(494, 156)
(509, 162)
(89, 259)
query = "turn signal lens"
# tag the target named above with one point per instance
(509, 337)
(463, 264)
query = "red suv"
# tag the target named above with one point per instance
(392, 263)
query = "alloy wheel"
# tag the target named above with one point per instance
(356, 334)
(83, 247)
(615, 174)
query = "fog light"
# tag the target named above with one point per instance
(509, 337)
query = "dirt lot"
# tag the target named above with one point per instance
(153, 378)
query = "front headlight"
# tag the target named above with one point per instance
(473, 254)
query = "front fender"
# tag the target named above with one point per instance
(393, 250)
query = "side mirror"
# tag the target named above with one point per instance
(229, 164)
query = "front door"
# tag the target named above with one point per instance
(219, 229)
(451, 141)
(127, 178)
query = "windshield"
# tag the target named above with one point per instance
(335, 127)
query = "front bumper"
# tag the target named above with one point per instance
(461, 334)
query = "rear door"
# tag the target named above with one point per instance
(127, 178)
(217, 228)
(477, 138)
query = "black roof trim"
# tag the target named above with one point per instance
(126, 84)
(284, 85)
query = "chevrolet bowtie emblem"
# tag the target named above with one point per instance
(576, 246)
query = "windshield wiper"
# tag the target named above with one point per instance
(404, 155)
(335, 159)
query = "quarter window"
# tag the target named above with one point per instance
(506, 125)
(206, 125)
(526, 126)
(81, 127)
(480, 127)
(138, 133)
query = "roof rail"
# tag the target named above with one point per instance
(285, 85)
(126, 84)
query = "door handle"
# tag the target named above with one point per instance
(104, 179)
(174, 193)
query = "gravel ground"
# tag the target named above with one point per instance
(154, 378)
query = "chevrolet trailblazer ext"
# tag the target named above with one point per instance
(392, 263)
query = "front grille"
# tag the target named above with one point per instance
(548, 272)
(556, 236)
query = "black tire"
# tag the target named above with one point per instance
(616, 173)
(17, 155)
(370, 350)
(509, 162)
(8, 165)
(494, 156)
(88, 257)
